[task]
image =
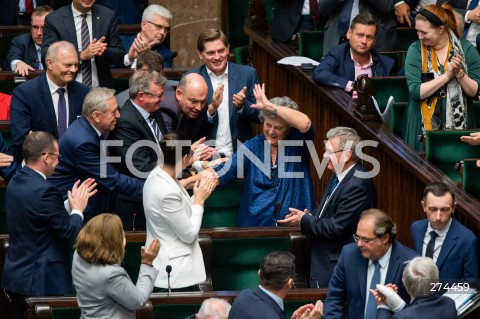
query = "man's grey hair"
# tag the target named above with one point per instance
(141, 80)
(156, 9)
(283, 101)
(345, 135)
(418, 276)
(214, 308)
(52, 51)
(96, 100)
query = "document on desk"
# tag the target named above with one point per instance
(297, 61)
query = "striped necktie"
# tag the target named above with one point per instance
(86, 65)
(156, 129)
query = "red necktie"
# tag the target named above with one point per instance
(28, 6)
(314, 12)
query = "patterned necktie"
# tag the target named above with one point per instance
(344, 18)
(62, 112)
(87, 64)
(431, 244)
(39, 57)
(371, 312)
(28, 6)
(155, 127)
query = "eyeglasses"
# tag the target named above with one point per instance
(329, 152)
(364, 240)
(158, 96)
(159, 27)
(53, 154)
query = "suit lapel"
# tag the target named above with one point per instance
(393, 265)
(70, 29)
(160, 122)
(419, 236)
(204, 73)
(141, 121)
(96, 22)
(72, 102)
(47, 103)
(324, 196)
(232, 89)
(32, 53)
(362, 282)
(448, 244)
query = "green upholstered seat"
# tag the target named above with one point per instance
(471, 177)
(387, 86)
(221, 208)
(398, 56)
(65, 313)
(133, 259)
(406, 36)
(240, 54)
(311, 44)
(397, 114)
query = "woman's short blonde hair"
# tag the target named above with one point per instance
(101, 240)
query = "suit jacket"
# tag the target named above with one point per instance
(60, 25)
(286, 17)
(81, 159)
(32, 109)
(459, 5)
(41, 237)
(349, 281)
(426, 308)
(458, 258)
(6, 172)
(22, 48)
(240, 121)
(8, 14)
(106, 291)
(253, 304)
(383, 11)
(175, 220)
(337, 67)
(337, 224)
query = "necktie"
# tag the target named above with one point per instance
(86, 65)
(333, 185)
(372, 304)
(155, 127)
(28, 6)
(344, 18)
(473, 4)
(62, 112)
(431, 244)
(314, 12)
(39, 57)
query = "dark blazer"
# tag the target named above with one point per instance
(337, 67)
(337, 224)
(286, 17)
(41, 237)
(8, 14)
(459, 5)
(253, 304)
(458, 258)
(132, 127)
(426, 308)
(60, 25)
(6, 172)
(22, 48)
(32, 109)
(82, 158)
(383, 11)
(349, 281)
(240, 121)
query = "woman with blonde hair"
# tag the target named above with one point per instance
(104, 289)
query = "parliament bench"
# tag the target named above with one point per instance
(386, 86)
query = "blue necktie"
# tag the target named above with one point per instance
(431, 244)
(62, 112)
(39, 58)
(371, 312)
(344, 18)
(333, 185)
(471, 6)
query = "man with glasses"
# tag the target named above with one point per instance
(25, 53)
(347, 195)
(452, 246)
(375, 258)
(42, 226)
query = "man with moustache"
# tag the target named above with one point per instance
(347, 195)
(49, 102)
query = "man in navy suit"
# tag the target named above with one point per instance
(375, 255)
(41, 225)
(454, 247)
(344, 63)
(24, 54)
(230, 92)
(104, 45)
(35, 103)
(85, 155)
(276, 274)
(348, 194)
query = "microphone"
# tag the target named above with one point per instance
(168, 269)
(276, 207)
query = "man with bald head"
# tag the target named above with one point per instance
(50, 102)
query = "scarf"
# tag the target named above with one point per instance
(456, 101)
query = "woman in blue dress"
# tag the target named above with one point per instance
(275, 164)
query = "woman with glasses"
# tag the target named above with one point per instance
(175, 217)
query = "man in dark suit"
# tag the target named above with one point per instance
(8, 167)
(349, 192)
(340, 13)
(140, 124)
(36, 103)
(42, 229)
(24, 54)
(376, 258)
(339, 67)
(454, 248)
(276, 274)
(95, 38)
(85, 155)
(15, 12)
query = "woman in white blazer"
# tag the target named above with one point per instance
(104, 289)
(174, 217)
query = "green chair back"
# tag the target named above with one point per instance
(66, 313)
(387, 86)
(237, 12)
(406, 36)
(471, 177)
(311, 44)
(221, 208)
(398, 56)
(133, 259)
(397, 114)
